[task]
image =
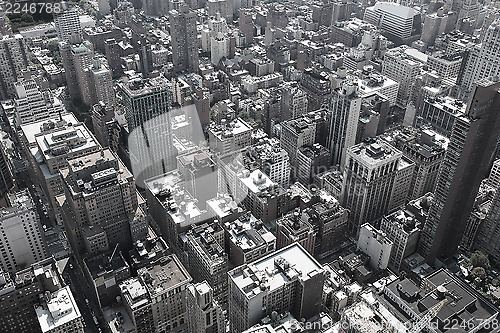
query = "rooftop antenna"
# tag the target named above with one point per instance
(114, 251)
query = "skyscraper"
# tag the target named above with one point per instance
(76, 59)
(67, 23)
(344, 116)
(370, 171)
(393, 18)
(21, 291)
(184, 39)
(112, 51)
(100, 84)
(147, 111)
(156, 299)
(101, 202)
(21, 242)
(482, 61)
(32, 104)
(472, 143)
(14, 61)
(6, 175)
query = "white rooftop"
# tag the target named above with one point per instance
(298, 263)
(256, 180)
(394, 8)
(30, 130)
(61, 309)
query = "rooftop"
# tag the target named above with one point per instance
(394, 8)
(256, 181)
(361, 316)
(32, 129)
(449, 104)
(169, 190)
(223, 205)
(229, 129)
(137, 86)
(462, 303)
(64, 139)
(165, 275)
(374, 152)
(60, 308)
(275, 270)
(248, 232)
(19, 201)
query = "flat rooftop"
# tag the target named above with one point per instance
(256, 180)
(275, 270)
(165, 275)
(462, 303)
(59, 310)
(32, 129)
(374, 153)
(138, 86)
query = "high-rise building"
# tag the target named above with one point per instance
(376, 245)
(297, 133)
(7, 180)
(21, 242)
(156, 299)
(219, 48)
(229, 136)
(199, 174)
(67, 23)
(311, 160)
(206, 258)
(331, 220)
(393, 18)
(224, 7)
(426, 149)
(440, 113)
(216, 25)
(344, 116)
(401, 68)
(248, 239)
(294, 228)
(204, 313)
(482, 60)
(58, 312)
(112, 52)
(184, 39)
(32, 104)
(402, 183)
(271, 159)
(20, 292)
(76, 59)
(147, 111)
(316, 84)
(246, 25)
(100, 202)
(49, 144)
(494, 177)
(293, 102)
(13, 51)
(100, 84)
(472, 144)
(173, 208)
(370, 171)
(403, 230)
(102, 119)
(254, 290)
(145, 55)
